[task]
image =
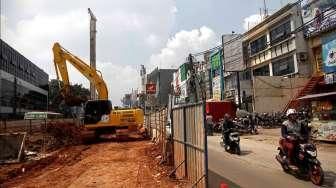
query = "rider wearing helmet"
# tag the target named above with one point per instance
(289, 128)
(227, 127)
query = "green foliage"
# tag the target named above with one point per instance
(57, 103)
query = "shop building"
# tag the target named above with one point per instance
(276, 49)
(237, 77)
(319, 18)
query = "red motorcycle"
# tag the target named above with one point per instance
(305, 161)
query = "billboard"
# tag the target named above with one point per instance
(329, 53)
(216, 88)
(150, 88)
(318, 15)
(215, 61)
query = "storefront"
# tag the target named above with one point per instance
(323, 108)
(322, 101)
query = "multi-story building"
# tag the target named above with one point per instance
(163, 79)
(277, 54)
(142, 90)
(276, 47)
(23, 85)
(319, 19)
(237, 81)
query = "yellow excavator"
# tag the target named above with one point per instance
(99, 117)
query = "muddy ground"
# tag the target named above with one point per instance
(107, 164)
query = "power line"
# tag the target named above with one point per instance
(302, 27)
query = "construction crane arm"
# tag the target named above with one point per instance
(61, 56)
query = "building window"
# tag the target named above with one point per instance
(283, 66)
(258, 45)
(281, 32)
(245, 75)
(262, 71)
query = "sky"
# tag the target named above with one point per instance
(155, 33)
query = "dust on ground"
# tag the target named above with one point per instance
(108, 164)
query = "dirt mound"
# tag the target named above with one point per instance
(65, 133)
(65, 156)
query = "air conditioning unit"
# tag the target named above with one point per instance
(302, 57)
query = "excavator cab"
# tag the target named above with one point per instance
(95, 109)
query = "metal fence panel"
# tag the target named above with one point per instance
(189, 142)
(178, 137)
(156, 122)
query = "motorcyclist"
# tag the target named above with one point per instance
(227, 127)
(290, 128)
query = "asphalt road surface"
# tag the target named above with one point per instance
(258, 168)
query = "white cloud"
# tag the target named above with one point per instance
(34, 37)
(251, 21)
(121, 79)
(183, 43)
(152, 40)
(174, 10)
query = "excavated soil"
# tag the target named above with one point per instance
(108, 164)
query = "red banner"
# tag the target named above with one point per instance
(150, 88)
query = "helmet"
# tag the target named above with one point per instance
(290, 111)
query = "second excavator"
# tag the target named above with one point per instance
(99, 116)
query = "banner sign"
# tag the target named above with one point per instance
(318, 15)
(216, 88)
(150, 88)
(215, 61)
(329, 53)
(330, 78)
(324, 130)
(184, 72)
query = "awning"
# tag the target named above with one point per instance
(317, 95)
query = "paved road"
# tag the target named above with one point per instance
(257, 167)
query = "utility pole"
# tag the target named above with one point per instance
(93, 32)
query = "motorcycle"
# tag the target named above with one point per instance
(233, 145)
(244, 125)
(306, 163)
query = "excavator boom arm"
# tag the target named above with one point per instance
(61, 56)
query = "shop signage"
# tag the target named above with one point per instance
(150, 88)
(325, 130)
(41, 115)
(215, 61)
(330, 78)
(329, 53)
(216, 88)
(318, 15)
(183, 72)
(183, 91)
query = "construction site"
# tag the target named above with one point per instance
(54, 154)
(154, 94)
(103, 146)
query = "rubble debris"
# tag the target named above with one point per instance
(64, 133)
(11, 146)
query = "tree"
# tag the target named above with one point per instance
(56, 101)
